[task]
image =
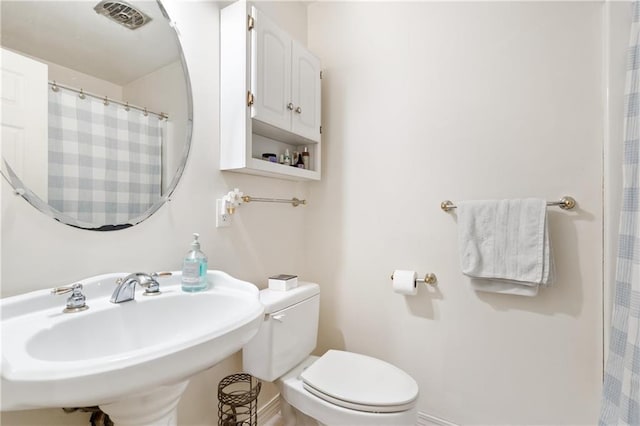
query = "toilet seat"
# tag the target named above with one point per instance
(360, 382)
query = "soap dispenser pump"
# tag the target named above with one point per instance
(194, 268)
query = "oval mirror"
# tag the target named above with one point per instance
(96, 109)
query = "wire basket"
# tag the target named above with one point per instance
(238, 400)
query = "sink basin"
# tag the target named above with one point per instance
(110, 352)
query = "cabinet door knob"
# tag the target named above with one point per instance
(290, 106)
(299, 110)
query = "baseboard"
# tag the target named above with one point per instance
(269, 410)
(425, 419)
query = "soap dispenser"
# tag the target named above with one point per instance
(194, 268)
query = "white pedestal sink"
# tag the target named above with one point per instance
(133, 359)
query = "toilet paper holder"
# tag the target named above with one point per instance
(429, 278)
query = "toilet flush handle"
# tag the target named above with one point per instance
(278, 317)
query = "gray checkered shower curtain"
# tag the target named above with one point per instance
(621, 391)
(104, 161)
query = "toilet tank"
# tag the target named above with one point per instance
(288, 333)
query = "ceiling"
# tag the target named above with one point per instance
(72, 34)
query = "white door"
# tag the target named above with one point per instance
(270, 72)
(24, 105)
(305, 92)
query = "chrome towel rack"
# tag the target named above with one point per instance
(295, 202)
(233, 199)
(565, 203)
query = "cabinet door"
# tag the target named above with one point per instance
(305, 93)
(270, 72)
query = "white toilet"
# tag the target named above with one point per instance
(338, 388)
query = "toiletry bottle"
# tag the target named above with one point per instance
(306, 158)
(287, 157)
(194, 269)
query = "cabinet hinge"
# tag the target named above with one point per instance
(320, 129)
(249, 98)
(250, 23)
(321, 74)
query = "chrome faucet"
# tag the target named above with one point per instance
(127, 286)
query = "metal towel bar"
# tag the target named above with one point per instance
(565, 203)
(295, 202)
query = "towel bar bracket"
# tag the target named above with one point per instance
(447, 205)
(565, 203)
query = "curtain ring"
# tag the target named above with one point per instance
(162, 116)
(145, 112)
(54, 86)
(106, 101)
(81, 95)
(126, 107)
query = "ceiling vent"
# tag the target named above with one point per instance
(122, 13)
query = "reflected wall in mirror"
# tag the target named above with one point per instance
(96, 115)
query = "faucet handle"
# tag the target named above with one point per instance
(66, 289)
(76, 302)
(151, 285)
(161, 274)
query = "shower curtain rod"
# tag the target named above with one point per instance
(56, 86)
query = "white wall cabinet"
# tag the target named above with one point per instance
(270, 96)
(285, 80)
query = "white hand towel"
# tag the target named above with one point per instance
(504, 245)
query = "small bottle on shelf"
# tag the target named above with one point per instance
(306, 158)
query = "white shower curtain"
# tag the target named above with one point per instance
(104, 161)
(621, 391)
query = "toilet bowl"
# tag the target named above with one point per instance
(338, 388)
(293, 391)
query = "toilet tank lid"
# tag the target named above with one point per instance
(274, 300)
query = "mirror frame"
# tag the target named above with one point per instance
(21, 190)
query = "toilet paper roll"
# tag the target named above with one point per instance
(404, 282)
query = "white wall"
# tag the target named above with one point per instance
(78, 80)
(427, 101)
(265, 238)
